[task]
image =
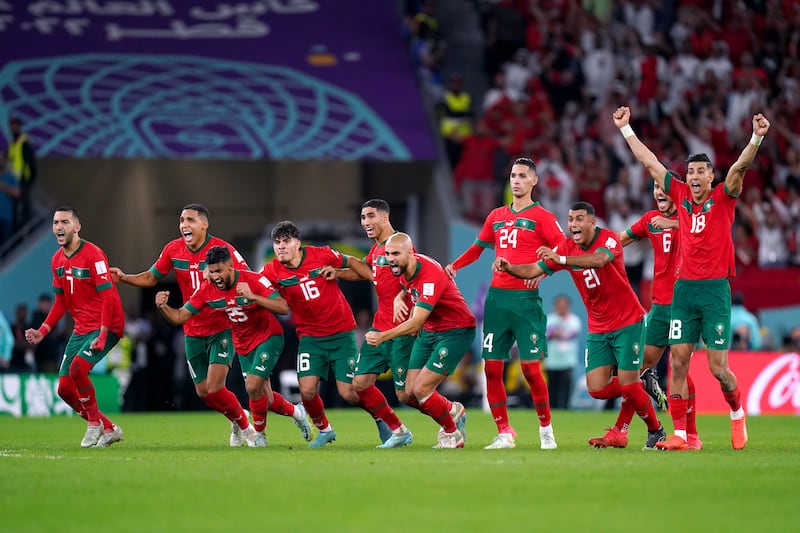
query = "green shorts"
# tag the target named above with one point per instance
(394, 353)
(263, 358)
(701, 307)
(316, 355)
(204, 351)
(657, 329)
(79, 345)
(441, 351)
(623, 348)
(514, 315)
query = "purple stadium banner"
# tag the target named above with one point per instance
(325, 78)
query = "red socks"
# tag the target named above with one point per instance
(691, 414)
(374, 402)
(435, 406)
(733, 398)
(677, 408)
(316, 410)
(539, 394)
(258, 408)
(79, 373)
(496, 394)
(641, 403)
(280, 405)
(612, 390)
(228, 404)
(625, 416)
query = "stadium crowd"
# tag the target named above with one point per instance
(693, 73)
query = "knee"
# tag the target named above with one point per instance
(350, 396)
(254, 390)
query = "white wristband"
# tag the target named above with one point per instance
(755, 140)
(627, 131)
(562, 259)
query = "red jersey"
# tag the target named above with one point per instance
(189, 265)
(706, 231)
(516, 236)
(250, 323)
(387, 285)
(318, 306)
(80, 278)
(431, 288)
(610, 301)
(665, 253)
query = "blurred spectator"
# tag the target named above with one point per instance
(10, 193)
(475, 174)
(22, 353)
(455, 112)
(791, 342)
(563, 329)
(745, 323)
(22, 164)
(48, 352)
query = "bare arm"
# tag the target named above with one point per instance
(625, 239)
(359, 267)
(176, 317)
(643, 154)
(144, 279)
(526, 271)
(735, 178)
(418, 317)
(275, 304)
(594, 260)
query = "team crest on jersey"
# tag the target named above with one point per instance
(636, 348)
(264, 357)
(719, 328)
(534, 338)
(400, 371)
(351, 363)
(442, 353)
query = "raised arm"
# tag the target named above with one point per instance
(643, 154)
(176, 317)
(624, 238)
(735, 178)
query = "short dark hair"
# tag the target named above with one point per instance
(582, 206)
(699, 158)
(525, 161)
(218, 254)
(200, 208)
(378, 204)
(68, 209)
(285, 230)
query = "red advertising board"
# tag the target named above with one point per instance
(769, 383)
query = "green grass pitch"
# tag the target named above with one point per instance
(176, 472)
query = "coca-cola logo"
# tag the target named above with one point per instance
(777, 386)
